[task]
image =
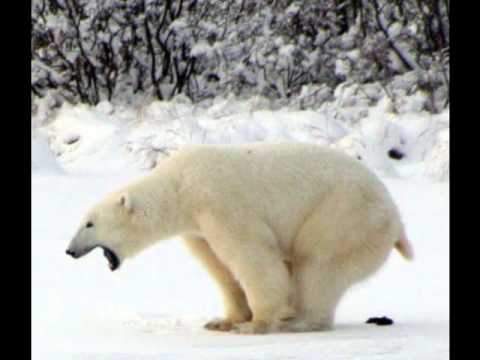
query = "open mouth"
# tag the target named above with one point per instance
(113, 261)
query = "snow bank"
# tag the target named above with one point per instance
(44, 161)
(87, 140)
(109, 138)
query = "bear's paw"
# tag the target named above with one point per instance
(251, 327)
(219, 325)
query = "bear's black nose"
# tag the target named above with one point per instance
(71, 253)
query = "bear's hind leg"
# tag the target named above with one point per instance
(235, 301)
(321, 284)
(319, 290)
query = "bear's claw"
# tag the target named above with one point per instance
(219, 325)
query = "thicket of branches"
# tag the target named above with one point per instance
(90, 50)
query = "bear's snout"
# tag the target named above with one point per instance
(77, 252)
(71, 253)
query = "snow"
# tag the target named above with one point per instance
(155, 305)
(43, 160)
(146, 133)
(99, 140)
(201, 48)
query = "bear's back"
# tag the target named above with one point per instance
(271, 170)
(285, 159)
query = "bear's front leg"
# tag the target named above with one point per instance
(235, 301)
(251, 253)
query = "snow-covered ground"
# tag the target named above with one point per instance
(155, 305)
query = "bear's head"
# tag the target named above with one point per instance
(113, 226)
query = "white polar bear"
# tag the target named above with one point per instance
(284, 229)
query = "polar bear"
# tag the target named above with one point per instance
(283, 229)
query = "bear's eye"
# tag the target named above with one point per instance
(89, 224)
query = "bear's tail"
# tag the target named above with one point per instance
(404, 247)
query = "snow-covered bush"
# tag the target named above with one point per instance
(90, 50)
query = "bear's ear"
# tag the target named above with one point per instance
(126, 201)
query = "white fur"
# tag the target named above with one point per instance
(284, 229)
